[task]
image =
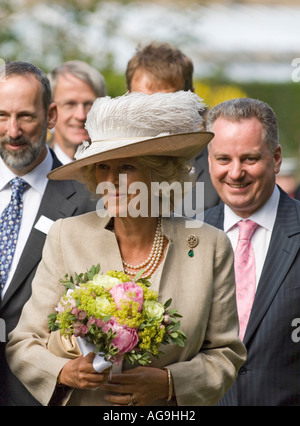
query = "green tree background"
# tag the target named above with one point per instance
(63, 39)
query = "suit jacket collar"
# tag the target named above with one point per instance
(284, 247)
(215, 216)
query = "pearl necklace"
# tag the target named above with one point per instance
(154, 257)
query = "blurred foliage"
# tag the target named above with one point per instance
(284, 98)
(215, 94)
(64, 29)
(115, 83)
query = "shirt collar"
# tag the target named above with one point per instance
(61, 155)
(36, 178)
(264, 217)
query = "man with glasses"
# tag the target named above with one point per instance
(75, 85)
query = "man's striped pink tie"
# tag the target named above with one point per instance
(245, 274)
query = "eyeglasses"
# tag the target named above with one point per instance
(71, 106)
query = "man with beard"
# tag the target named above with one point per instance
(26, 112)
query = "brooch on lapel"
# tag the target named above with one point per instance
(192, 242)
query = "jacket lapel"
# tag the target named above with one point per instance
(284, 246)
(215, 216)
(55, 204)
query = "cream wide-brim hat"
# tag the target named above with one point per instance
(185, 145)
(136, 125)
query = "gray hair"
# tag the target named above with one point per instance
(84, 72)
(245, 108)
(22, 68)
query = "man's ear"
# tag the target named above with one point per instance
(209, 158)
(52, 116)
(277, 159)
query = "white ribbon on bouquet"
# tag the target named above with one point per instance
(99, 363)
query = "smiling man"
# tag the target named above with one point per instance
(244, 158)
(75, 85)
(23, 125)
(26, 112)
(242, 165)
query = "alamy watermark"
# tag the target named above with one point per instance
(296, 71)
(157, 203)
(296, 332)
(2, 69)
(2, 330)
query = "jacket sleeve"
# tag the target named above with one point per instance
(35, 366)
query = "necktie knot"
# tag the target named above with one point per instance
(246, 229)
(18, 186)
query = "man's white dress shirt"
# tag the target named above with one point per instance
(61, 155)
(265, 218)
(37, 179)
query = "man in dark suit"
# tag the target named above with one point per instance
(244, 158)
(26, 112)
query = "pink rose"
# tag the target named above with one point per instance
(80, 331)
(74, 311)
(126, 338)
(99, 322)
(91, 321)
(80, 314)
(127, 292)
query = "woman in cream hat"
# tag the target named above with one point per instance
(137, 140)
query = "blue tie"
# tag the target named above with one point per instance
(10, 222)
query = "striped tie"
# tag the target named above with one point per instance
(245, 274)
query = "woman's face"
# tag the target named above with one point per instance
(125, 187)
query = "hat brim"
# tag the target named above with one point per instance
(186, 145)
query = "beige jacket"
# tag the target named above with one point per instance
(202, 288)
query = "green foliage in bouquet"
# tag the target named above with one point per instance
(121, 316)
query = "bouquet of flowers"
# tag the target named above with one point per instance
(119, 317)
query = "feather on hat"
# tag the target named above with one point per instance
(137, 124)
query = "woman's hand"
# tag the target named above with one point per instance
(79, 373)
(142, 385)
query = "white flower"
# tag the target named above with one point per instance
(105, 281)
(103, 306)
(154, 310)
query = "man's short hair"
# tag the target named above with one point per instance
(22, 68)
(245, 108)
(165, 62)
(93, 78)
